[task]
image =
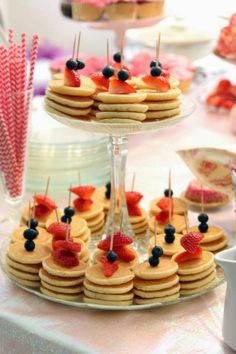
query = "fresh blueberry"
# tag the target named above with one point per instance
(71, 64)
(123, 75)
(30, 234)
(157, 251)
(169, 230)
(154, 63)
(80, 65)
(117, 57)
(29, 246)
(69, 211)
(166, 193)
(65, 218)
(203, 227)
(112, 256)
(108, 71)
(33, 223)
(153, 261)
(108, 190)
(203, 218)
(169, 238)
(155, 71)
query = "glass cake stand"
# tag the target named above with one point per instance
(118, 149)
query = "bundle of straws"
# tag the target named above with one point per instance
(16, 86)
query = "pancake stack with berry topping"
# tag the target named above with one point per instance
(137, 215)
(180, 206)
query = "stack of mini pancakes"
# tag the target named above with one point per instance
(156, 284)
(180, 206)
(73, 102)
(22, 266)
(197, 275)
(119, 108)
(98, 254)
(43, 237)
(61, 282)
(139, 223)
(94, 217)
(178, 221)
(115, 290)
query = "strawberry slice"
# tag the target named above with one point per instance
(120, 87)
(162, 217)
(119, 239)
(165, 73)
(71, 78)
(224, 86)
(45, 201)
(40, 211)
(191, 240)
(66, 258)
(160, 83)
(101, 82)
(109, 267)
(134, 210)
(67, 245)
(82, 204)
(58, 229)
(164, 204)
(133, 198)
(125, 253)
(186, 256)
(119, 66)
(84, 192)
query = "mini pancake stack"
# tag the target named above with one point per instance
(156, 284)
(98, 254)
(43, 237)
(180, 206)
(169, 249)
(178, 221)
(22, 266)
(139, 223)
(94, 217)
(115, 290)
(196, 275)
(72, 102)
(214, 239)
(61, 282)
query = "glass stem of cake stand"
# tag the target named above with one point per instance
(118, 213)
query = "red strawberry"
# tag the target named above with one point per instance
(119, 239)
(224, 86)
(191, 240)
(82, 204)
(58, 229)
(119, 66)
(100, 81)
(41, 210)
(162, 217)
(159, 83)
(165, 73)
(65, 258)
(164, 203)
(67, 245)
(133, 198)
(120, 87)
(186, 256)
(71, 78)
(213, 100)
(109, 267)
(84, 192)
(45, 201)
(125, 253)
(134, 210)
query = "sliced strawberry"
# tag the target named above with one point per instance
(133, 198)
(67, 245)
(162, 217)
(186, 256)
(125, 253)
(65, 258)
(100, 81)
(119, 66)
(134, 210)
(58, 229)
(120, 87)
(45, 201)
(84, 192)
(165, 73)
(40, 211)
(160, 83)
(71, 78)
(164, 203)
(223, 86)
(109, 267)
(191, 240)
(119, 239)
(82, 204)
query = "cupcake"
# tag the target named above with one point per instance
(150, 8)
(87, 10)
(121, 10)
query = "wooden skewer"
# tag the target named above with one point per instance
(202, 200)
(155, 233)
(186, 221)
(67, 230)
(78, 45)
(169, 196)
(74, 46)
(112, 237)
(34, 207)
(122, 46)
(69, 196)
(47, 186)
(133, 181)
(108, 50)
(57, 216)
(158, 45)
(29, 215)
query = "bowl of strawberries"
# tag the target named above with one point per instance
(222, 98)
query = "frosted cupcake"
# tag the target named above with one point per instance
(121, 10)
(150, 8)
(88, 10)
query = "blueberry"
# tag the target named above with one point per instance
(123, 75)
(203, 227)
(112, 256)
(117, 57)
(79, 64)
(108, 190)
(30, 234)
(153, 261)
(33, 223)
(155, 71)
(203, 218)
(155, 63)
(157, 251)
(108, 71)
(64, 219)
(166, 193)
(169, 230)
(71, 64)
(169, 238)
(29, 246)
(69, 211)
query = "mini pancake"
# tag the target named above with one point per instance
(75, 289)
(59, 87)
(139, 229)
(196, 265)
(29, 283)
(196, 276)
(199, 289)
(96, 220)
(216, 245)
(98, 254)
(67, 109)
(158, 284)
(153, 95)
(97, 233)
(43, 237)
(162, 114)
(157, 293)
(95, 210)
(84, 255)
(89, 300)
(178, 221)
(86, 236)
(61, 296)
(71, 101)
(22, 275)
(213, 233)
(59, 281)
(199, 282)
(29, 268)
(106, 97)
(61, 114)
(105, 289)
(119, 121)
(162, 105)
(166, 268)
(180, 206)
(17, 253)
(99, 226)
(108, 297)
(56, 269)
(140, 224)
(137, 219)
(126, 115)
(169, 249)
(141, 301)
(141, 108)
(96, 275)
(78, 224)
